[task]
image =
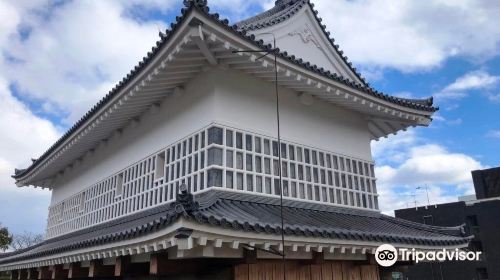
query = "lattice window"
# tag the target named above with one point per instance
(223, 157)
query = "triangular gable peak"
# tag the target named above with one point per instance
(299, 32)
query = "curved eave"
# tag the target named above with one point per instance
(177, 58)
(228, 219)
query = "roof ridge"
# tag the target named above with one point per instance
(452, 230)
(278, 8)
(212, 196)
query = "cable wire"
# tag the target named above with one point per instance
(276, 91)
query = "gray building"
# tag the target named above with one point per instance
(480, 215)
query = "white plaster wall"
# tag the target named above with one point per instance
(153, 132)
(227, 97)
(249, 103)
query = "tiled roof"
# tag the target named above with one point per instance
(281, 11)
(252, 213)
(201, 5)
(255, 213)
(125, 228)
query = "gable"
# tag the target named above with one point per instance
(301, 35)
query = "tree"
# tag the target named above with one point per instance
(5, 238)
(25, 240)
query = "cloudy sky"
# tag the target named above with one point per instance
(59, 57)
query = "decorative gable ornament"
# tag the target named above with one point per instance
(306, 35)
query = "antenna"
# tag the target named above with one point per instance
(414, 196)
(426, 192)
(274, 51)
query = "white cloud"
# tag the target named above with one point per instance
(439, 118)
(162, 5)
(24, 135)
(79, 52)
(493, 134)
(403, 94)
(22, 132)
(442, 95)
(236, 10)
(474, 80)
(431, 164)
(10, 19)
(494, 97)
(405, 162)
(392, 198)
(456, 121)
(412, 35)
(391, 150)
(11, 13)
(372, 73)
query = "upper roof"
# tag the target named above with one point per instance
(418, 111)
(255, 214)
(284, 11)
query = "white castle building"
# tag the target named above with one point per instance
(180, 167)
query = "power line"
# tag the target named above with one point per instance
(273, 51)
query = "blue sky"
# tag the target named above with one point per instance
(59, 58)
(470, 121)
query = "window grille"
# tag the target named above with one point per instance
(222, 157)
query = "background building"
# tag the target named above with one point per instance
(480, 215)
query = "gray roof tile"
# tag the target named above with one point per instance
(251, 213)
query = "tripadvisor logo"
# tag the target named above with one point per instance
(386, 255)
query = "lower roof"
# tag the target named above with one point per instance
(255, 214)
